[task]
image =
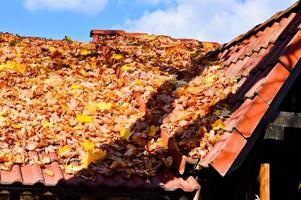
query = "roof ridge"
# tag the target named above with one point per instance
(259, 27)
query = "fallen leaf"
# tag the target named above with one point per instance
(218, 112)
(93, 157)
(104, 106)
(49, 172)
(47, 124)
(84, 52)
(210, 79)
(16, 126)
(218, 124)
(149, 37)
(2, 119)
(91, 107)
(15, 66)
(125, 67)
(84, 118)
(62, 151)
(87, 145)
(153, 130)
(194, 90)
(72, 169)
(75, 86)
(208, 45)
(117, 56)
(125, 134)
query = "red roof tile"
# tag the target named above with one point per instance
(262, 60)
(33, 174)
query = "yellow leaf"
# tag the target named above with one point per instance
(51, 49)
(72, 169)
(16, 126)
(20, 68)
(12, 65)
(210, 79)
(218, 124)
(47, 124)
(218, 112)
(160, 141)
(49, 172)
(2, 67)
(75, 87)
(93, 157)
(2, 119)
(84, 52)
(88, 145)
(125, 67)
(64, 150)
(138, 82)
(117, 56)
(84, 118)
(91, 107)
(153, 130)
(84, 73)
(18, 55)
(216, 67)
(194, 90)
(104, 106)
(208, 45)
(125, 134)
(123, 106)
(149, 37)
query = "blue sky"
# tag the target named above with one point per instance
(206, 20)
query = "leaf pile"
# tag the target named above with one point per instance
(101, 107)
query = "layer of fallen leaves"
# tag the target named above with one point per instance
(103, 106)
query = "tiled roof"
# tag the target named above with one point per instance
(40, 173)
(264, 61)
(35, 175)
(51, 172)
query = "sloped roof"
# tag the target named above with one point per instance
(262, 63)
(100, 90)
(265, 61)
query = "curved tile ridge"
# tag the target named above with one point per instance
(224, 152)
(294, 8)
(243, 121)
(12, 176)
(32, 174)
(95, 33)
(52, 175)
(261, 41)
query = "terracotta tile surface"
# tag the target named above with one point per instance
(32, 174)
(228, 152)
(291, 55)
(261, 60)
(250, 119)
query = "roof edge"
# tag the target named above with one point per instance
(296, 6)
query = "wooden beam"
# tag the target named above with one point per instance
(288, 119)
(264, 181)
(274, 132)
(282, 120)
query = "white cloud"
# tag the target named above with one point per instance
(207, 20)
(85, 6)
